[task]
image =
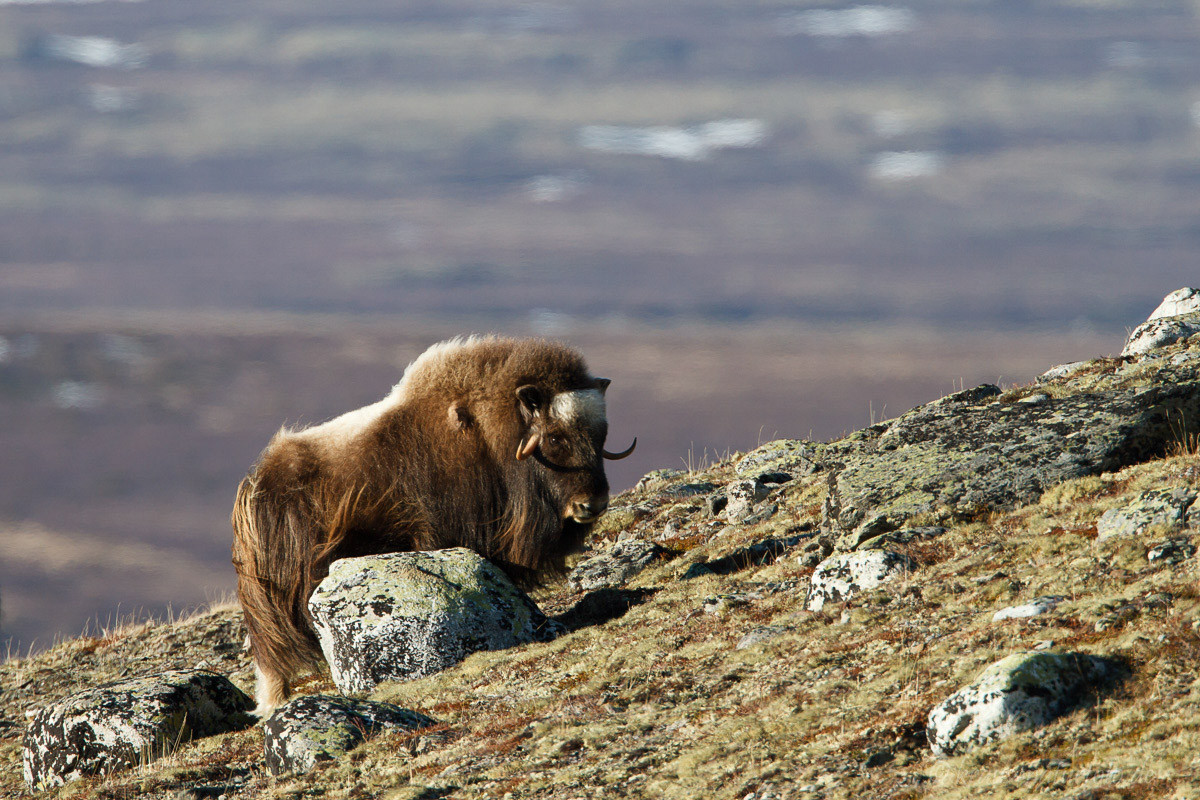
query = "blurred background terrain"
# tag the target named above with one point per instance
(760, 219)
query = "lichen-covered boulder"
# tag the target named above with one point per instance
(840, 577)
(1017, 693)
(316, 728)
(120, 725)
(971, 452)
(399, 616)
(1177, 317)
(614, 567)
(1167, 507)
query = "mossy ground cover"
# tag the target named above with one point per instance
(660, 702)
(712, 680)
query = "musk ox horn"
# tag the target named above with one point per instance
(622, 454)
(527, 448)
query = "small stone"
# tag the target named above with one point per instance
(1172, 551)
(715, 503)
(1158, 507)
(1063, 370)
(657, 479)
(722, 603)
(616, 567)
(742, 496)
(761, 634)
(1036, 607)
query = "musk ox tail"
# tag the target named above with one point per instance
(274, 547)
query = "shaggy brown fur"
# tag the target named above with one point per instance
(442, 461)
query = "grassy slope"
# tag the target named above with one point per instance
(660, 702)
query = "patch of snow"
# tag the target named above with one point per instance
(867, 20)
(898, 166)
(76, 395)
(90, 51)
(693, 143)
(554, 188)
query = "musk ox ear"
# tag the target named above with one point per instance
(532, 401)
(602, 384)
(460, 416)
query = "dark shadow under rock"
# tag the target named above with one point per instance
(602, 605)
(755, 555)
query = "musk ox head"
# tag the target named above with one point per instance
(565, 435)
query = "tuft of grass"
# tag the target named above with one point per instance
(1185, 441)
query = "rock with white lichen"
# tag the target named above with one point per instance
(840, 577)
(1177, 317)
(400, 616)
(1017, 693)
(1161, 507)
(120, 725)
(317, 728)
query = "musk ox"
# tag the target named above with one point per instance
(489, 443)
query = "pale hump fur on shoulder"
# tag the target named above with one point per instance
(345, 427)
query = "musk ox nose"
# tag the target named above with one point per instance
(590, 509)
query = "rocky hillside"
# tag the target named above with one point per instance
(994, 594)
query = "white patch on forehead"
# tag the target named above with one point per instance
(585, 405)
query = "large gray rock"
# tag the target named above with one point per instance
(316, 728)
(400, 616)
(1177, 317)
(969, 452)
(1017, 693)
(120, 725)
(840, 577)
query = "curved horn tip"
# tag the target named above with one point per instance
(525, 450)
(622, 454)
